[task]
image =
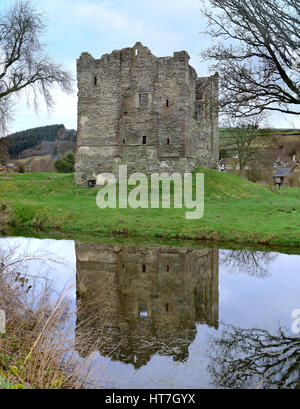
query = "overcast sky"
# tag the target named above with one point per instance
(101, 26)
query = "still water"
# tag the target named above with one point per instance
(174, 317)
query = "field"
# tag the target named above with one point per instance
(37, 163)
(235, 211)
(287, 136)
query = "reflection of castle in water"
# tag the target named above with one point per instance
(148, 299)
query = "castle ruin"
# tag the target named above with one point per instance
(151, 114)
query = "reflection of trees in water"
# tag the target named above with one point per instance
(254, 358)
(172, 348)
(137, 350)
(136, 343)
(255, 264)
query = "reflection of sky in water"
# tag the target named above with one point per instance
(244, 300)
(261, 302)
(55, 259)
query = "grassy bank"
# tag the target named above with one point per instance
(235, 210)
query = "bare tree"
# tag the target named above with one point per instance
(257, 54)
(23, 64)
(245, 139)
(4, 155)
(6, 113)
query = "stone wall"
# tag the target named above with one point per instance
(153, 114)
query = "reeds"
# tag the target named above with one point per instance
(40, 349)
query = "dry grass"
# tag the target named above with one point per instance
(294, 180)
(38, 349)
(43, 163)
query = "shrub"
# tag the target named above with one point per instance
(65, 164)
(223, 154)
(255, 174)
(20, 168)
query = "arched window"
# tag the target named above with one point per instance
(144, 140)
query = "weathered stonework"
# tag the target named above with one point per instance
(153, 114)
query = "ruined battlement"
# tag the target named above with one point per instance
(152, 113)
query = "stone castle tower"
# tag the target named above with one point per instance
(153, 114)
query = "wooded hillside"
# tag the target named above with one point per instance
(52, 140)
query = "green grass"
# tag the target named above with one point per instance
(6, 373)
(6, 384)
(235, 211)
(287, 135)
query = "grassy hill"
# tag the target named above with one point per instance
(287, 136)
(292, 134)
(235, 211)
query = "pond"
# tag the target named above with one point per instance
(174, 317)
